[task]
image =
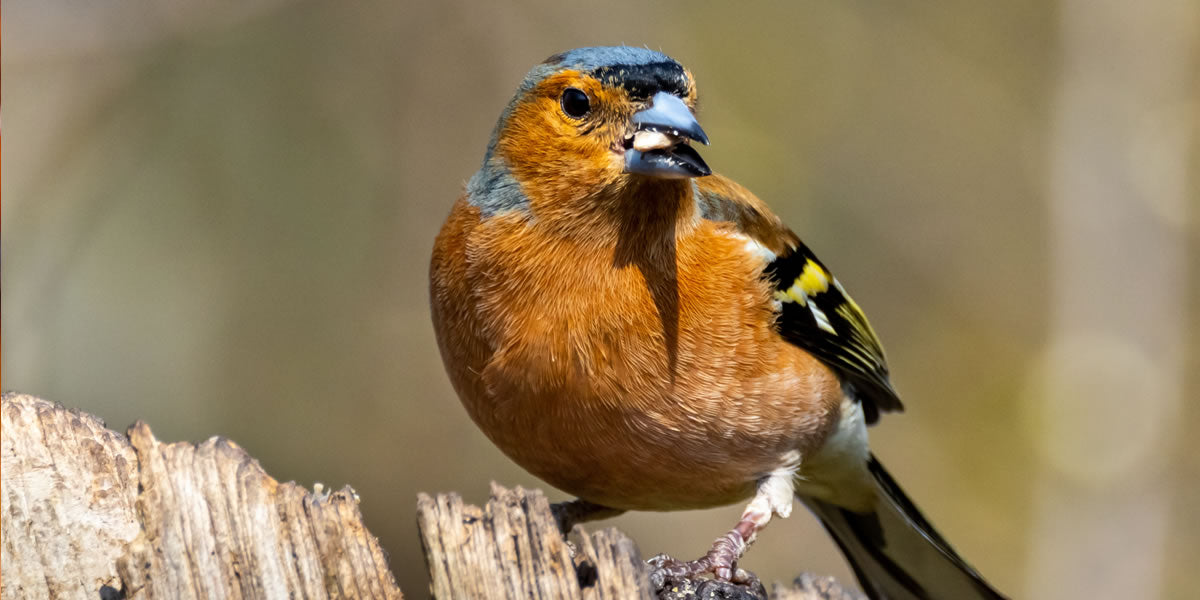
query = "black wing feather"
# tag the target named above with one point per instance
(842, 339)
(825, 321)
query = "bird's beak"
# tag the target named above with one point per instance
(658, 145)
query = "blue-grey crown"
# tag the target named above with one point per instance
(641, 71)
(587, 59)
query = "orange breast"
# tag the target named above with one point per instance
(641, 375)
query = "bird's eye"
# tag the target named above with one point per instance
(575, 103)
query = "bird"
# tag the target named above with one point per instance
(645, 334)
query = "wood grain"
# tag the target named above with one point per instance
(90, 513)
(511, 549)
(64, 473)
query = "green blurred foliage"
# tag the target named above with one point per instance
(219, 220)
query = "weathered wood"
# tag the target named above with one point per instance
(90, 513)
(69, 495)
(511, 549)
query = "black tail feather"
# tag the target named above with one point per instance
(894, 550)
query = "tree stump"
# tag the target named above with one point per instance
(91, 513)
(512, 549)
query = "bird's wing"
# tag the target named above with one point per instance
(815, 312)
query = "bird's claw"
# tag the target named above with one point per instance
(721, 561)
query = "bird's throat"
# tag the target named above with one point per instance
(651, 209)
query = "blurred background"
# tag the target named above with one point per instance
(218, 217)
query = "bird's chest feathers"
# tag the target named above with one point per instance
(621, 321)
(577, 323)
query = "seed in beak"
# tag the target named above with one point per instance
(647, 140)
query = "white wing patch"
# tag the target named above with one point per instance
(822, 320)
(755, 248)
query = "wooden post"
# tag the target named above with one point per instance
(511, 549)
(91, 513)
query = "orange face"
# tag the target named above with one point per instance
(570, 135)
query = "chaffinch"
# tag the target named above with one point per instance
(647, 335)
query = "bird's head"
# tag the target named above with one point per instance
(595, 117)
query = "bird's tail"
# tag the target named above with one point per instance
(895, 552)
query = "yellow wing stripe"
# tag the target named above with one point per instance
(813, 280)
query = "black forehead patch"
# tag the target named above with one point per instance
(640, 71)
(641, 81)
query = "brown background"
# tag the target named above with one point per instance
(218, 219)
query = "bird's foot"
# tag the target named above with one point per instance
(721, 561)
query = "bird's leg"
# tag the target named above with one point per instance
(774, 496)
(721, 559)
(569, 514)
